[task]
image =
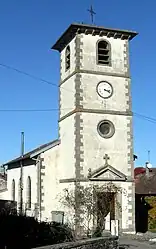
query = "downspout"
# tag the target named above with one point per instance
(39, 187)
(38, 164)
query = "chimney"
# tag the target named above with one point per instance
(147, 169)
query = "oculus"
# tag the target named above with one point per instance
(106, 129)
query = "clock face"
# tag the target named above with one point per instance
(104, 89)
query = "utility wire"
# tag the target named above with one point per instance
(27, 74)
(146, 118)
(34, 110)
(33, 76)
(150, 119)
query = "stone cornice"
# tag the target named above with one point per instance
(122, 75)
(97, 111)
(68, 180)
(76, 28)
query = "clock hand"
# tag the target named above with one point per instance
(107, 90)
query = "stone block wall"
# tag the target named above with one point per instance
(109, 242)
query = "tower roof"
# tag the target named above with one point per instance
(75, 28)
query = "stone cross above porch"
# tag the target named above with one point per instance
(106, 158)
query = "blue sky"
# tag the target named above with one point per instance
(27, 31)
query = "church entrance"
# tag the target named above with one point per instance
(105, 210)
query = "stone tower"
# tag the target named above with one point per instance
(95, 118)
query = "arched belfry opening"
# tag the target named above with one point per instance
(103, 53)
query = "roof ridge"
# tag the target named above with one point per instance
(27, 154)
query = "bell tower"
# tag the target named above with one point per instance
(95, 117)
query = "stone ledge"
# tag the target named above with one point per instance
(106, 242)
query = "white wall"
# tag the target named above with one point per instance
(63, 72)
(67, 148)
(54, 169)
(4, 194)
(95, 146)
(91, 99)
(15, 174)
(50, 181)
(89, 49)
(67, 96)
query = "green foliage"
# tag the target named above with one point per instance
(26, 232)
(152, 212)
(97, 233)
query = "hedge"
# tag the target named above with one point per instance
(26, 232)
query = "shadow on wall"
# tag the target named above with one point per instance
(9, 207)
(141, 214)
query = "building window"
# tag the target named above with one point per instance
(106, 129)
(67, 58)
(13, 190)
(104, 52)
(29, 192)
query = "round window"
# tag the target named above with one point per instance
(106, 129)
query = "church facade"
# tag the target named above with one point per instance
(95, 144)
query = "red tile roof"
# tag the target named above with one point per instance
(145, 184)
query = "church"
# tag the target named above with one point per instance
(95, 143)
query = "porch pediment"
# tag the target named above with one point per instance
(108, 173)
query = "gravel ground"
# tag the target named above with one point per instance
(140, 236)
(137, 241)
(125, 243)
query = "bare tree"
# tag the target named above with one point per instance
(95, 202)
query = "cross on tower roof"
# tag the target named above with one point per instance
(106, 157)
(92, 13)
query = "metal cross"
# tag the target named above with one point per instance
(106, 157)
(92, 13)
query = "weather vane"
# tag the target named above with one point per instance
(92, 13)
